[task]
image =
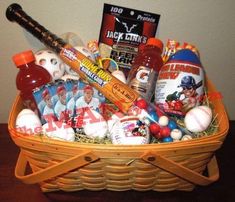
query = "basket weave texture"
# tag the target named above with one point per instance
(66, 166)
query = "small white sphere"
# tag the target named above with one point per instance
(163, 120)
(186, 137)
(28, 122)
(198, 119)
(58, 130)
(95, 126)
(119, 75)
(51, 62)
(176, 134)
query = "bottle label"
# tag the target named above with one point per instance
(143, 81)
(180, 87)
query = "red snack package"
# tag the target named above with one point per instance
(124, 31)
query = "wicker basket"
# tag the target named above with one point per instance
(58, 165)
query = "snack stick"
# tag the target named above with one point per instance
(114, 90)
(94, 48)
(170, 49)
(117, 92)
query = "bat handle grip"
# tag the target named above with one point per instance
(15, 13)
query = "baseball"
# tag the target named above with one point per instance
(198, 119)
(95, 125)
(176, 134)
(126, 131)
(28, 122)
(59, 130)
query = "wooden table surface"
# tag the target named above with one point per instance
(12, 190)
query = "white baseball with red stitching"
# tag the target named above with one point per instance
(198, 119)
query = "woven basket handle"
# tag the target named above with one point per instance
(65, 166)
(183, 172)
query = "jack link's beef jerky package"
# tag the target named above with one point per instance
(123, 32)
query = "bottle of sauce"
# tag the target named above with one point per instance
(144, 71)
(29, 77)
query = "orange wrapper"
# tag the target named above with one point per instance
(113, 89)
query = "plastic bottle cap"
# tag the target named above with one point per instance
(23, 58)
(155, 42)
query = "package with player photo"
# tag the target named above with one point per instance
(43, 98)
(58, 92)
(88, 96)
(71, 87)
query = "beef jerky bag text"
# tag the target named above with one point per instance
(123, 32)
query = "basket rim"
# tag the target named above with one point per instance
(122, 151)
(20, 138)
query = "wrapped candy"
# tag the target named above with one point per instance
(171, 48)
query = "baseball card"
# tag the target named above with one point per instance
(88, 96)
(44, 102)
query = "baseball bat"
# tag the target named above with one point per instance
(113, 89)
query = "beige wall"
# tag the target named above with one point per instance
(209, 24)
